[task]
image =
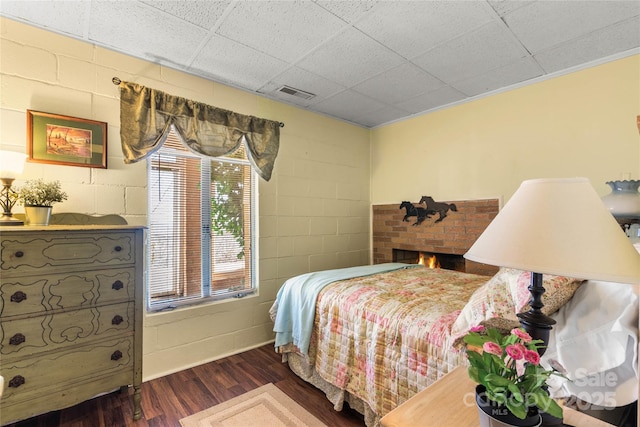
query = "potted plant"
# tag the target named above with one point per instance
(511, 383)
(38, 197)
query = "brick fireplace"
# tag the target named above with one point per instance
(398, 241)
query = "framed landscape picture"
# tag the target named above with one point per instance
(64, 140)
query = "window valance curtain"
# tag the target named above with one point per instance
(146, 116)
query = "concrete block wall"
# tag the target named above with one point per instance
(313, 214)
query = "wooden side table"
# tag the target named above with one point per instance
(450, 402)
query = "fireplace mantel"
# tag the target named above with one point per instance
(453, 235)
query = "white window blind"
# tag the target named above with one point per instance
(201, 226)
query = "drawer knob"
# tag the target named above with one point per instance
(17, 339)
(19, 254)
(117, 319)
(117, 285)
(117, 355)
(16, 381)
(18, 296)
(118, 248)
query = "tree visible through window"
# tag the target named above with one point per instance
(201, 224)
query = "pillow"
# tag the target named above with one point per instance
(493, 299)
(507, 294)
(504, 326)
(558, 291)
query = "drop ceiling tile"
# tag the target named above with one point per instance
(350, 58)
(347, 105)
(140, 30)
(347, 10)
(225, 60)
(412, 27)
(502, 7)
(302, 80)
(381, 116)
(510, 74)
(64, 17)
(427, 101)
(286, 30)
(202, 13)
(398, 83)
(600, 44)
(544, 24)
(476, 52)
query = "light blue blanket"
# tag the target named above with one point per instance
(296, 301)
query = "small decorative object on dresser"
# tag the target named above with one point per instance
(11, 165)
(38, 197)
(71, 322)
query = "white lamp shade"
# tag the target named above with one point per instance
(560, 227)
(11, 163)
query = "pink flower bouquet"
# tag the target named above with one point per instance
(509, 368)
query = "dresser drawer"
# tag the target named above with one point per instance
(32, 376)
(21, 296)
(24, 337)
(53, 397)
(26, 253)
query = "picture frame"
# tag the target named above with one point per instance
(66, 140)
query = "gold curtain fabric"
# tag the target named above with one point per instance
(146, 116)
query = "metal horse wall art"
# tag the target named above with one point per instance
(432, 207)
(440, 207)
(411, 210)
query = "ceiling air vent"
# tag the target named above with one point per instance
(296, 92)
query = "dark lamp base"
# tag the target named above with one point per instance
(535, 322)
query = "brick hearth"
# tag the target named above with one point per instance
(453, 235)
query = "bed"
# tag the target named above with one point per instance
(373, 336)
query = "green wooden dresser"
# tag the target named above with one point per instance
(71, 307)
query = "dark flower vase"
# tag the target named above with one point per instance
(494, 415)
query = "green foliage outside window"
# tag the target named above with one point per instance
(227, 202)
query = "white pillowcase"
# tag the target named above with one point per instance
(597, 333)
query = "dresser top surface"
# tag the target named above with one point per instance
(30, 228)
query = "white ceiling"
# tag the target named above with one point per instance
(367, 62)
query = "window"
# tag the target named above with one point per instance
(201, 226)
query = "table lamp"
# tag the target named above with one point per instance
(11, 165)
(559, 227)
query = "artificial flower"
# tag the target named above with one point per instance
(509, 368)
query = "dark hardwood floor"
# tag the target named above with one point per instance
(168, 399)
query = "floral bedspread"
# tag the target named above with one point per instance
(385, 337)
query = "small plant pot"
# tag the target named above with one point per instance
(37, 215)
(492, 415)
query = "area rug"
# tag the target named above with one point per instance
(265, 406)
